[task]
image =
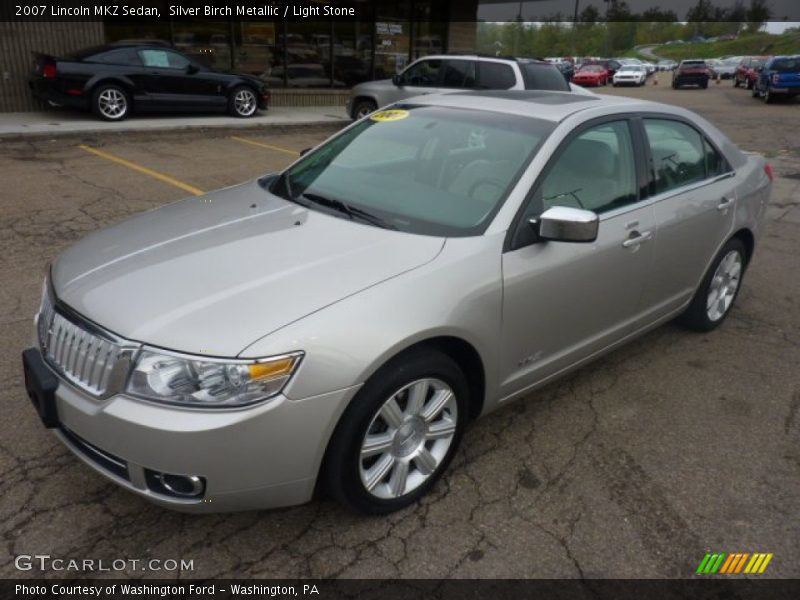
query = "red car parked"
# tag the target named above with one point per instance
(591, 75)
(746, 73)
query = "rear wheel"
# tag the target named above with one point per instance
(399, 433)
(110, 102)
(735, 81)
(749, 84)
(718, 291)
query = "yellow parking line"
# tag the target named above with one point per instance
(155, 174)
(263, 145)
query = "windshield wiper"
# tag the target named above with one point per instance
(351, 211)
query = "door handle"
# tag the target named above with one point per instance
(725, 203)
(637, 238)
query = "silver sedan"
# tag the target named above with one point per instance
(337, 325)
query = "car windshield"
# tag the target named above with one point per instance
(786, 65)
(421, 169)
(592, 69)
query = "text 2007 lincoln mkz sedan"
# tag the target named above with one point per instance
(341, 322)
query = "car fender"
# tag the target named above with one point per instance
(348, 341)
(102, 78)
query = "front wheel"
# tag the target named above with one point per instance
(717, 292)
(363, 108)
(769, 97)
(399, 433)
(242, 102)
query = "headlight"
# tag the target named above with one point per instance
(194, 381)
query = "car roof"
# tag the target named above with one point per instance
(547, 105)
(517, 59)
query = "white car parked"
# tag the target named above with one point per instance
(630, 75)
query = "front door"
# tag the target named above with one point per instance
(174, 81)
(565, 301)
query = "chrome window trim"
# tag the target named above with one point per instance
(665, 195)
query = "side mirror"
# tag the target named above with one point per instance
(566, 224)
(304, 151)
(397, 80)
(192, 69)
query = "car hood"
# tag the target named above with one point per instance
(214, 273)
(373, 86)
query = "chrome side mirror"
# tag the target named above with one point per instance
(566, 224)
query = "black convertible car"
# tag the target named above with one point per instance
(112, 81)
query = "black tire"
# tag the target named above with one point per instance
(243, 102)
(735, 82)
(341, 469)
(755, 93)
(363, 107)
(768, 96)
(704, 85)
(104, 106)
(748, 84)
(696, 316)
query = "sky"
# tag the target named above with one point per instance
(536, 10)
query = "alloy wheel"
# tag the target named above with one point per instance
(724, 285)
(244, 103)
(112, 103)
(408, 438)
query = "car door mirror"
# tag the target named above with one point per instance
(305, 151)
(192, 69)
(397, 80)
(566, 224)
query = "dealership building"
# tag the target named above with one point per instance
(305, 62)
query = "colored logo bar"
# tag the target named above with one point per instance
(734, 563)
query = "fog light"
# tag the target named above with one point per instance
(180, 486)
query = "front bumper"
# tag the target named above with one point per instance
(263, 456)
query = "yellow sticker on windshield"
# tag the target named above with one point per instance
(383, 116)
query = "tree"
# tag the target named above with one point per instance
(757, 14)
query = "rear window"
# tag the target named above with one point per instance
(495, 76)
(786, 65)
(543, 77)
(693, 64)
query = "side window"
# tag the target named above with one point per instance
(495, 76)
(123, 57)
(678, 153)
(596, 171)
(424, 73)
(715, 163)
(459, 74)
(163, 59)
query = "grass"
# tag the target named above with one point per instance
(756, 43)
(636, 54)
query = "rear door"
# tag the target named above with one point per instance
(694, 196)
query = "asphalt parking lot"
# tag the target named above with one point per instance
(634, 466)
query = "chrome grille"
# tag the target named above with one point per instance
(92, 361)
